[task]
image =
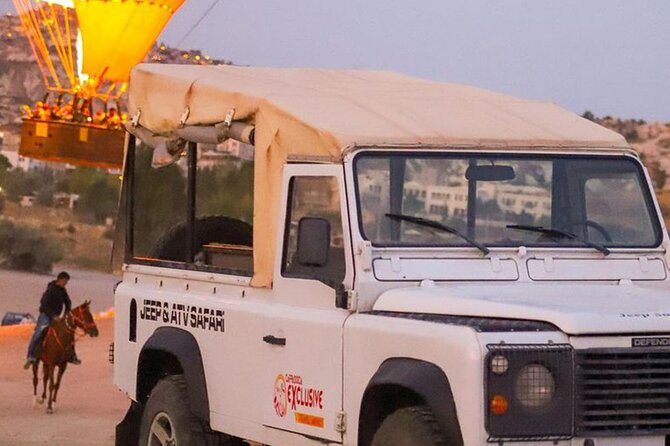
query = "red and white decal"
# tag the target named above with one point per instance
(279, 397)
(290, 393)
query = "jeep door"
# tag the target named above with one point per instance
(303, 339)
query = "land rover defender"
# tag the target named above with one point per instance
(364, 258)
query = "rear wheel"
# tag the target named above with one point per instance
(167, 420)
(414, 425)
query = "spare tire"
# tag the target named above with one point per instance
(211, 229)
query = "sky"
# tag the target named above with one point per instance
(608, 56)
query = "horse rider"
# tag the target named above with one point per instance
(51, 306)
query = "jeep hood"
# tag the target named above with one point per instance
(576, 309)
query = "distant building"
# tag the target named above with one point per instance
(237, 149)
(532, 200)
(21, 162)
(439, 202)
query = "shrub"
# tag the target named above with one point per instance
(17, 182)
(45, 196)
(5, 165)
(24, 248)
(632, 135)
(101, 199)
(658, 175)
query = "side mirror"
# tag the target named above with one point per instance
(313, 241)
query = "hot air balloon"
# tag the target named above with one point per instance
(85, 50)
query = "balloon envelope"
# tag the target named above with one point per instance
(118, 34)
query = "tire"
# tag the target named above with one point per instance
(167, 420)
(212, 229)
(409, 426)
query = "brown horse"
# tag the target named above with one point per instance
(57, 348)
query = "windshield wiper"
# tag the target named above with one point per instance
(553, 232)
(437, 225)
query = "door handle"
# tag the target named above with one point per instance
(270, 339)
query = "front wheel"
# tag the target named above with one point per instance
(167, 420)
(415, 425)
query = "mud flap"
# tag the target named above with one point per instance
(128, 430)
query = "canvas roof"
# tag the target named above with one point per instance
(358, 107)
(315, 114)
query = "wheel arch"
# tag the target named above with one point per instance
(170, 351)
(403, 382)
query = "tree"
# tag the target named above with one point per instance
(524, 218)
(45, 196)
(5, 165)
(17, 182)
(632, 135)
(588, 115)
(412, 205)
(487, 207)
(226, 189)
(25, 248)
(100, 199)
(98, 191)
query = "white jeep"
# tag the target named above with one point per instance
(395, 262)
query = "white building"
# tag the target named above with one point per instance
(532, 200)
(21, 162)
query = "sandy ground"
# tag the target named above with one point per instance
(89, 405)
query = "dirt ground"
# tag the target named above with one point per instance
(89, 405)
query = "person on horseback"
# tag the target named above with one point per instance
(51, 306)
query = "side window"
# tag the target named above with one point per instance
(223, 206)
(627, 217)
(160, 207)
(314, 197)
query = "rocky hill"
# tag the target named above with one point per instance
(20, 80)
(650, 139)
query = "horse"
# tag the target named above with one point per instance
(57, 347)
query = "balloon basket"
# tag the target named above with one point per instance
(72, 143)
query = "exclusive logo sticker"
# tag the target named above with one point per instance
(289, 393)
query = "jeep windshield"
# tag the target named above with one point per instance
(504, 200)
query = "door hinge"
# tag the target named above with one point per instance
(364, 253)
(352, 300)
(341, 422)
